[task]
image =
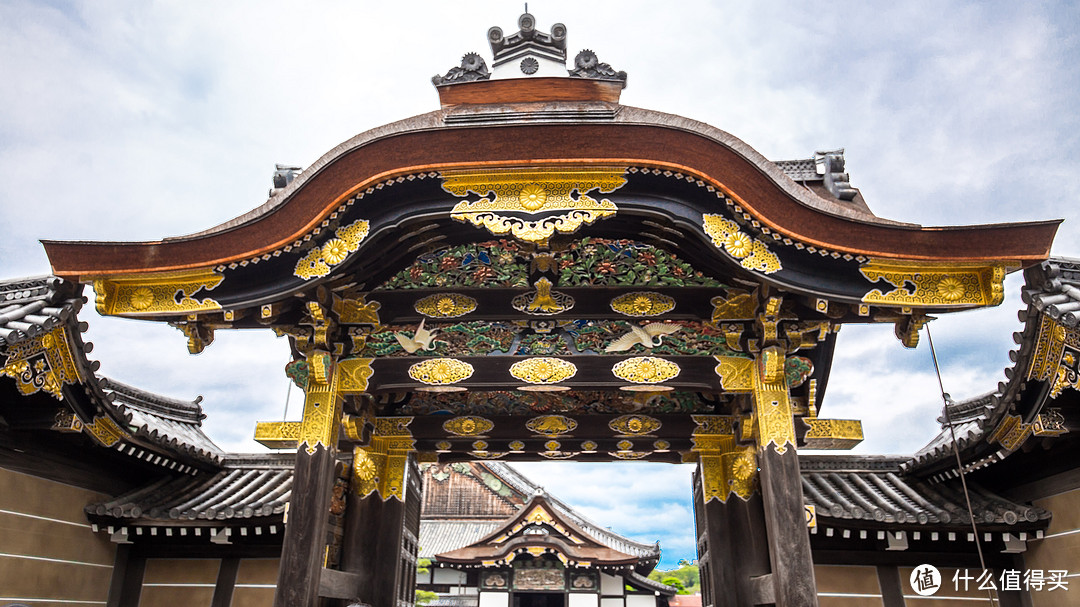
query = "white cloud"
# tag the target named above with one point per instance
(132, 120)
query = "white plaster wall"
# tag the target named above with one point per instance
(612, 584)
(449, 576)
(640, 600)
(612, 602)
(583, 600)
(494, 599)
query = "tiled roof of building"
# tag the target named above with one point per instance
(171, 423)
(32, 306)
(872, 489)
(602, 534)
(440, 535)
(249, 486)
(1052, 289)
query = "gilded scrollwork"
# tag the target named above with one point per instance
(445, 305)
(165, 293)
(772, 404)
(319, 259)
(105, 431)
(543, 370)
(832, 433)
(752, 253)
(737, 305)
(278, 435)
(441, 371)
(643, 304)
(924, 284)
(645, 370)
(736, 373)
(549, 193)
(1050, 422)
(322, 416)
(353, 375)
(41, 363)
(542, 301)
(357, 311)
(1010, 433)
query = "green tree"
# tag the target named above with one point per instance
(686, 574)
(423, 597)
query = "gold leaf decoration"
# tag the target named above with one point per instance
(548, 193)
(318, 261)
(551, 425)
(41, 363)
(163, 293)
(468, 425)
(736, 374)
(925, 284)
(517, 446)
(645, 370)
(543, 370)
(353, 375)
(752, 254)
(643, 304)
(634, 425)
(441, 371)
(543, 301)
(445, 305)
(832, 433)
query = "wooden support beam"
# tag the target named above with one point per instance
(334, 584)
(304, 544)
(781, 485)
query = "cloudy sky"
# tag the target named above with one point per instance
(136, 121)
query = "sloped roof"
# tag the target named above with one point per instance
(555, 532)
(485, 506)
(873, 491)
(154, 428)
(250, 486)
(171, 423)
(1052, 289)
(30, 307)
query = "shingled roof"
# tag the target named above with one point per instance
(172, 423)
(441, 531)
(1051, 290)
(249, 488)
(873, 491)
(30, 307)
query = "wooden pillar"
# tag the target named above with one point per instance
(732, 546)
(375, 515)
(730, 519)
(781, 485)
(303, 549)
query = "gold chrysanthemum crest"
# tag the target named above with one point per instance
(645, 370)
(319, 259)
(752, 254)
(441, 371)
(543, 370)
(643, 304)
(445, 305)
(634, 425)
(468, 425)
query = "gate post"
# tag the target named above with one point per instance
(303, 547)
(731, 537)
(385, 482)
(781, 484)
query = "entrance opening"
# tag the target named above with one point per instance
(539, 599)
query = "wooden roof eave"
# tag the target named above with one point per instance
(635, 137)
